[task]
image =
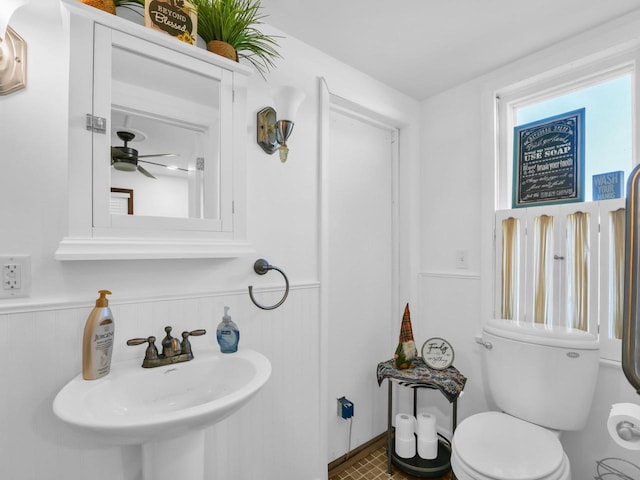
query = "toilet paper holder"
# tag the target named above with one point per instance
(623, 425)
(627, 430)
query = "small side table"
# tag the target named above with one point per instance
(450, 382)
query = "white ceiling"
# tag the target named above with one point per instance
(422, 47)
(167, 144)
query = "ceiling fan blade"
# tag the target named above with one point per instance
(163, 165)
(145, 172)
(159, 155)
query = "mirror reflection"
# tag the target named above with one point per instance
(160, 163)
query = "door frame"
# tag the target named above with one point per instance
(331, 102)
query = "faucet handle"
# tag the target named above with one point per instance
(186, 344)
(152, 352)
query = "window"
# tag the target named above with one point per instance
(563, 264)
(607, 123)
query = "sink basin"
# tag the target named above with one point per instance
(163, 405)
(134, 404)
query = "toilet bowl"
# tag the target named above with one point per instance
(497, 446)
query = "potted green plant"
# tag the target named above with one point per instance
(229, 29)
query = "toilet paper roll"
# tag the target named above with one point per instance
(427, 449)
(427, 427)
(624, 425)
(406, 447)
(405, 426)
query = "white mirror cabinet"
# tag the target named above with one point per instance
(181, 192)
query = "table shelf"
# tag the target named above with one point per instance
(450, 382)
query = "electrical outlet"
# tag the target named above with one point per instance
(15, 276)
(345, 408)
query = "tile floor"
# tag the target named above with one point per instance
(374, 467)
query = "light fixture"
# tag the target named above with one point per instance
(13, 51)
(273, 132)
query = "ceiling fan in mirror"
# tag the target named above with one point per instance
(126, 159)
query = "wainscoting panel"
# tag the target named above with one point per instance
(275, 436)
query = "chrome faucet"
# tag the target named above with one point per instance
(173, 351)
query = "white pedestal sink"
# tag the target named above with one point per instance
(165, 409)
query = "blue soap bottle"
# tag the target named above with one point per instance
(227, 334)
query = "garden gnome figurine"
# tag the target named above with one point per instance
(406, 350)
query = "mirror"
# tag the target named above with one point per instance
(164, 144)
(631, 314)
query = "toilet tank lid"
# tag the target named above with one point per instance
(541, 334)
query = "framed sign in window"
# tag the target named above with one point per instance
(548, 160)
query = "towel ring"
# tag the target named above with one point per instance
(261, 267)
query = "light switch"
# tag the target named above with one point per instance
(462, 259)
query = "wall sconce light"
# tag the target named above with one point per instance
(272, 132)
(13, 51)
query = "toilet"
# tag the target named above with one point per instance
(542, 378)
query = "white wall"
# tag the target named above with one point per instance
(40, 336)
(450, 221)
(166, 196)
(280, 433)
(457, 201)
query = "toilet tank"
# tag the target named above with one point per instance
(541, 373)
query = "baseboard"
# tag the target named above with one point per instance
(342, 463)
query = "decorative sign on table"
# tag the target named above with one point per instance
(608, 185)
(437, 353)
(177, 18)
(548, 160)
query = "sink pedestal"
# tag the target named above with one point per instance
(174, 458)
(166, 409)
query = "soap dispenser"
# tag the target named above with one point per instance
(227, 334)
(97, 341)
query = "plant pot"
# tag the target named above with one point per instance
(105, 5)
(223, 49)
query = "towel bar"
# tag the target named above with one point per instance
(261, 267)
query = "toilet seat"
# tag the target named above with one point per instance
(497, 446)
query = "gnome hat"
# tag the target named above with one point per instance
(406, 332)
(406, 350)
